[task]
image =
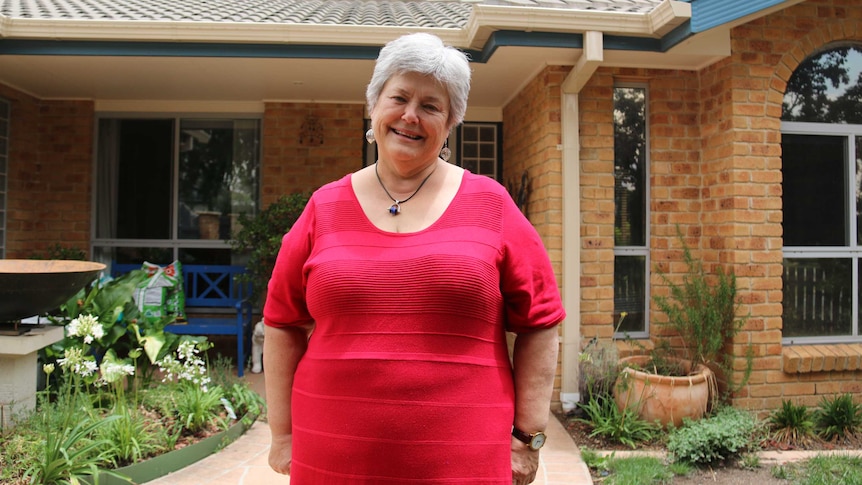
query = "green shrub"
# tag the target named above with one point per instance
(725, 435)
(260, 237)
(838, 417)
(620, 426)
(791, 424)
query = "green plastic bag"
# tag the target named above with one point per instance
(161, 294)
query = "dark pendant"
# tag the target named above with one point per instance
(394, 209)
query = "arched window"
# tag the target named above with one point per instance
(821, 141)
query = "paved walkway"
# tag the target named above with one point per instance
(244, 462)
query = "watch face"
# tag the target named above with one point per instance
(538, 441)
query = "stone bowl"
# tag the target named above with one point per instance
(31, 287)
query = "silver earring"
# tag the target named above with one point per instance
(369, 135)
(445, 152)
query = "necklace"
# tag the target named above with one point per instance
(395, 208)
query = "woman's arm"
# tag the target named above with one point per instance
(535, 365)
(282, 350)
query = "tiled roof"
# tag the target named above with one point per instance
(429, 14)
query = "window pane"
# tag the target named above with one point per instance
(825, 88)
(814, 190)
(629, 166)
(817, 297)
(858, 190)
(218, 166)
(630, 293)
(134, 179)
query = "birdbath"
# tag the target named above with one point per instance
(29, 288)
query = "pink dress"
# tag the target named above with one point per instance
(407, 379)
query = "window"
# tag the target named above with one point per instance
(475, 147)
(4, 170)
(821, 146)
(171, 188)
(479, 149)
(631, 254)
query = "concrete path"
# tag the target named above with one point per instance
(244, 462)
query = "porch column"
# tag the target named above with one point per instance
(583, 70)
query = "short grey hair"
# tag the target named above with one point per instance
(424, 54)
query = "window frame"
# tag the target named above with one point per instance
(4, 175)
(640, 251)
(853, 248)
(175, 244)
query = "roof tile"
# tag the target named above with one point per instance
(400, 13)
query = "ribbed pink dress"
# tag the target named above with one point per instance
(406, 379)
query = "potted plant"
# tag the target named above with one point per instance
(260, 237)
(672, 383)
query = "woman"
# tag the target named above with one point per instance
(409, 272)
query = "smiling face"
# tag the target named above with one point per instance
(411, 120)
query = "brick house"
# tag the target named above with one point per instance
(613, 122)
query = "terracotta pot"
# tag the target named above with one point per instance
(667, 399)
(208, 224)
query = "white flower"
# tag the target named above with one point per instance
(112, 371)
(75, 360)
(87, 327)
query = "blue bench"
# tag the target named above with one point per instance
(210, 290)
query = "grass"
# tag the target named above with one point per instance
(837, 469)
(644, 470)
(822, 469)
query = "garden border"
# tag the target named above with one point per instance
(172, 461)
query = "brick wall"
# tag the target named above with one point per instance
(50, 174)
(531, 136)
(765, 53)
(289, 166)
(715, 170)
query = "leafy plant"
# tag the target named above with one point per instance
(131, 437)
(610, 422)
(261, 236)
(838, 417)
(702, 310)
(724, 435)
(58, 251)
(792, 424)
(69, 455)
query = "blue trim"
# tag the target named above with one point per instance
(502, 38)
(707, 14)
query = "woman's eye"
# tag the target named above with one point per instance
(431, 107)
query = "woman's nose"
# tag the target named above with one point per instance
(411, 113)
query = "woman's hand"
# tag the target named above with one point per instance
(279, 454)
(525, 463)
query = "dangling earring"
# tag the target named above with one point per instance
(445, 152)
(369, 135)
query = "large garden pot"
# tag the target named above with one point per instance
(666, 399)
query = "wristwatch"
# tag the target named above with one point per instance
(535, 441)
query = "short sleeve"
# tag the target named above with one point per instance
(529, 286)
(285, 297)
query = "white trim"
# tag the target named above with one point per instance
(571, 168)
